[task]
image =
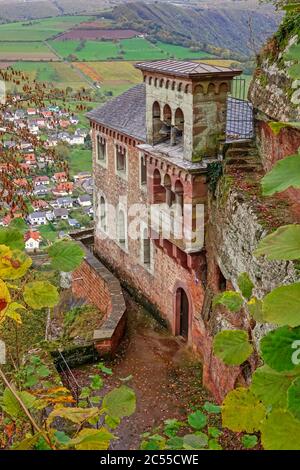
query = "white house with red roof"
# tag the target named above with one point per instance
(32, 240)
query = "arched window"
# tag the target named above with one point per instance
(179, 125)
(180, 85)
(167, 115)
(121, 228)
(161, 83)
(167, 84)
(156, 122)
(170, 196)
(103, 214)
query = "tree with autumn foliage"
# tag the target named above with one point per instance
(13, 138)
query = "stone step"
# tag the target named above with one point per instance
(241, 152)
(242, 144)
(242, 160)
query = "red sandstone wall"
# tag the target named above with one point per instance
(87, 284)
(276, 147)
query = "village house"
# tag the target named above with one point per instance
(37, 218)
(60, 177)
(41, 190)
(32, 240)
(41, 180)
(65, 202)
(61, 214)
(63, 189)
(39, 205)
(84, 200)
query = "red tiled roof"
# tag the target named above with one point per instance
(32, 234)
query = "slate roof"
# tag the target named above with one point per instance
(125, 113)
(186, 69)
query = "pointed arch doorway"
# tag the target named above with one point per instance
(182, 314)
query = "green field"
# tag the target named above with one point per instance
(59, 74)
(80, 160)
(92, 50)
(38, 30)
(25, 50)
(180, 52)
(126, 49)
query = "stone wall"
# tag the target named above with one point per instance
(93, 282)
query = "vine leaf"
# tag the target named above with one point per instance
(65, 255)
(276, 348)
(246, 285)
(242, 411)
(285, 174)
(120, 402)
(281, 306)
(11, 405)
(92, 439)
(195, 441)
(11, 238)
(255, 309)
(283, 244)
(270, 386)
(249, 441)
(40, 294)
(232, 346)
(75, 415)
(197, 420)
(294, 398)
(281, 431)
(230, 299)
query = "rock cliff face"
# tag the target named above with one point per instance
(274, 91)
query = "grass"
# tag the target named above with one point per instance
(80, 160)
(140, 49)
(115, 77)
(38, 30)
(92, 50)
(59, 74)
(25, 50)
(180, 52)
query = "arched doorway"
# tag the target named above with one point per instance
(182, 314)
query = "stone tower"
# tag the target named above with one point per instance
(186, 105)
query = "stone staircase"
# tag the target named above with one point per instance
(242, 156)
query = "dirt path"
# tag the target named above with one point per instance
(165, 376)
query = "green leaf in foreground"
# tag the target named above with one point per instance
(246, 285)
(285, 174)
(197, 420)
(249, 441)
(242, 411)
(65, 255)
(195, 441)
(12, 238)
(232, 346)
(231, 300)
(270, 386)
(211, 408)
(120, 402)
(282, 307)
(283, 244)
(276, 348)
(40, 294)
(294, 398)
(281, 431)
